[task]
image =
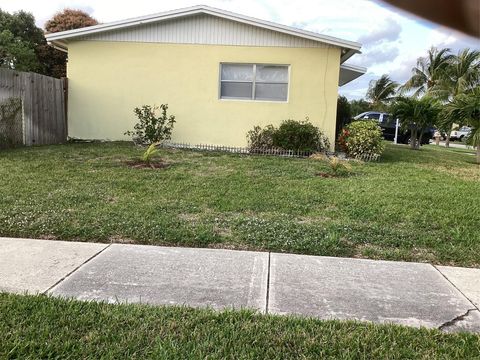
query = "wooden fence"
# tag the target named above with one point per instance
(44, 100)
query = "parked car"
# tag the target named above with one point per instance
(460, 134)
(387, 123)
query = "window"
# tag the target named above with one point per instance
(372, 116)
(254, 82)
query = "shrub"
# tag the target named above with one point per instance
(339, 166)
(259, 138)
(291, 135)
(362, 140)
(152, 128)
(300, 136)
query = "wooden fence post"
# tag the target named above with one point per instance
(65, 106)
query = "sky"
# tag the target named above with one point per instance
(392, 40)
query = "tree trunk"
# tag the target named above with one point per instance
(413, 139)
(420, 137)
(447, 140)
(478, 154)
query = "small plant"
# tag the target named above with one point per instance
(362, 140)
(152, 128)
(148, 155)
(259, 138)
(338, 166)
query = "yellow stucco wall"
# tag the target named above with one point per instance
(108, 79)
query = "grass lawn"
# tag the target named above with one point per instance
(412, 205)
(39, 327)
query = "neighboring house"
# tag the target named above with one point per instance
(221, 74)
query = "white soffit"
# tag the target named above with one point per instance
(349, 73)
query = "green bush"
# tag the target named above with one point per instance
(300, 136)
(152, 128)
(362, 140)
(259, 138)
(290, 135)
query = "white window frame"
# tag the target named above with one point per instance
(253, 82)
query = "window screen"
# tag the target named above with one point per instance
(254, 82)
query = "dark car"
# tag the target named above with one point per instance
(388, 124)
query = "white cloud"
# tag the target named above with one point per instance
(389, 30)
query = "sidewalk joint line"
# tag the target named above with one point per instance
(74, 270)
(460, 291)
(268, 284)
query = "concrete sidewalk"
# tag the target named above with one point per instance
(411, 294)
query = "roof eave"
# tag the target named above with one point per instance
(348, 73)
(59, 45)
(350, 45)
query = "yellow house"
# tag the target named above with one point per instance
(221, 74)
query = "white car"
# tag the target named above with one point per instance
(460, 134)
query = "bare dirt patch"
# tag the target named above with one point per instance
(325, 175)
(469, 172)
(192, 218)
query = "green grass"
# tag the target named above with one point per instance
(40, 327)
(412, 205)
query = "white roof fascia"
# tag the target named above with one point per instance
(354, 47)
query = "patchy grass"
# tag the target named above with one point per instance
(40, 327)
(412, 205)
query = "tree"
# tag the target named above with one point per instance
(19, 38)
(430, 70)
(416, 115)
(55, 61)
(381, 91)
(22, 25)
(17, 54)
(344, 113)
(23, 46)
(359, 106)
(465, 108)
(463, 73)
(69, 19)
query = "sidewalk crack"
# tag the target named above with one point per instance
(455, 320)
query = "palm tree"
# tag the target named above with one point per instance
(429, 71)
(462, 75)
(416, 115)
(465, 71)
(465, 108)
(381, 91)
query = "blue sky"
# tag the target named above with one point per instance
(392, 40)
